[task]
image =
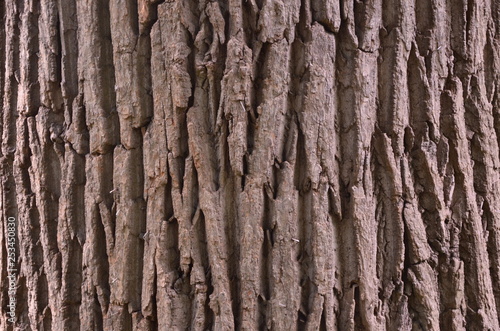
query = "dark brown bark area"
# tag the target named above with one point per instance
(251, 165)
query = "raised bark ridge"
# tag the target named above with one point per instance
(251, 165)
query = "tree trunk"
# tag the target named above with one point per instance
(250, 165)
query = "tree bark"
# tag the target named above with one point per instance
(251, 165)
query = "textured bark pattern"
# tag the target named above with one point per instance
(252, 165)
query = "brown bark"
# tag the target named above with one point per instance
(251, 165)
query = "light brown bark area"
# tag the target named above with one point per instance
(252, 165)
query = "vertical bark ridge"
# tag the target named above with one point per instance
(392, 197)
(482, 312)
(319, 106)
(72, 204)
(357, 95)
(97, 77)
(10, 48)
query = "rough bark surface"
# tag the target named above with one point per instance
(252, 164)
